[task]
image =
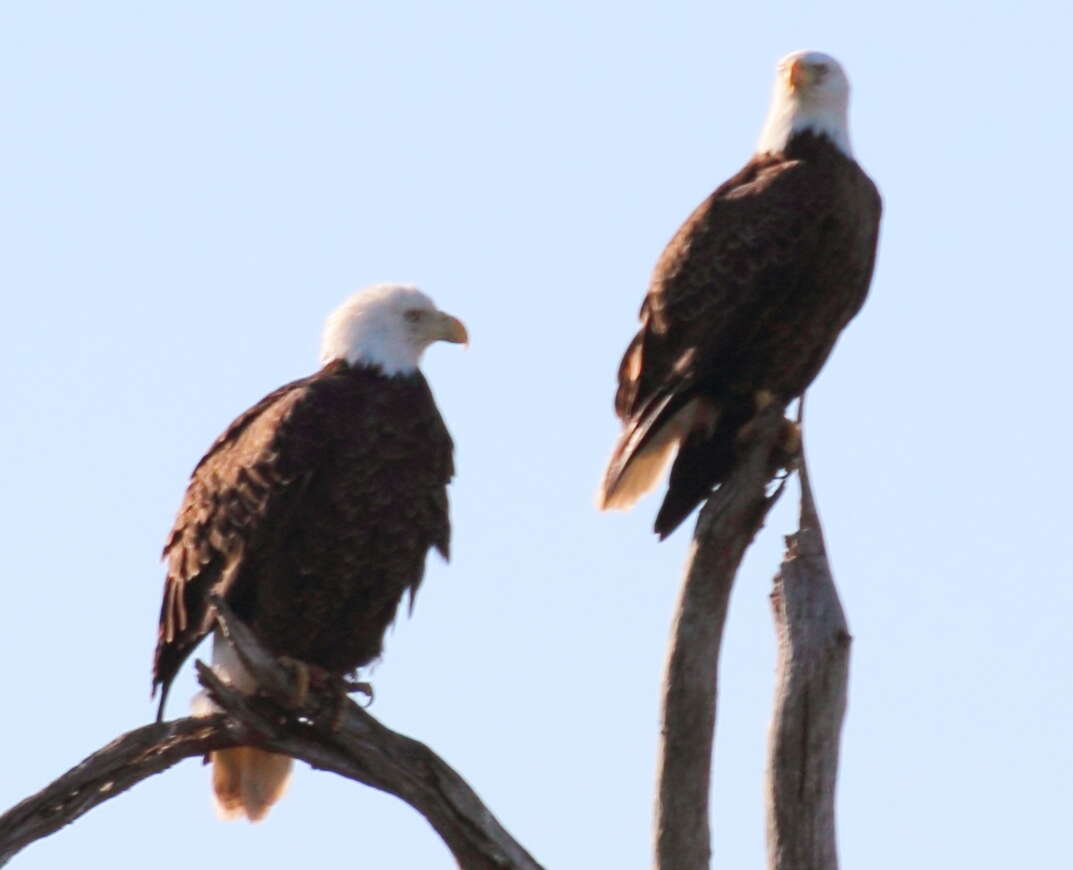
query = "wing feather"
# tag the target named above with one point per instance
(238, 493)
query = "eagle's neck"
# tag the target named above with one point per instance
(362, 368)
(390, 358)
(373, 339)
(789, 117)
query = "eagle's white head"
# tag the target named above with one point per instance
(387, 326)
(811, 93)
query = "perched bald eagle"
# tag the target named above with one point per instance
(312, 515)
(749, 296)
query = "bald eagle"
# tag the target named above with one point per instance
(748, 298)
(312, 514)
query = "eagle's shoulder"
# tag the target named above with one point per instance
(251, 426)
(755, 218)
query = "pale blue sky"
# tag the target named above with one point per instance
(190, 188)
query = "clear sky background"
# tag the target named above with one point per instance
(189, 189)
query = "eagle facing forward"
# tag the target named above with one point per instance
(312, 515)
(749, 296)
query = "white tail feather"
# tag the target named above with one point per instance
(642, 472)
(245, 781)
(643, 469)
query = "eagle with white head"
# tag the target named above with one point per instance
(748, 298)
(312, 514)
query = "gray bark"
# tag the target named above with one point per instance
(342, 737)
(110, 771)
(725, 528)
(810, 700)
(327, 731)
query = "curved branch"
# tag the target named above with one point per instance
(357, 746)
(810, 699)
(352, 744)
(110, 771)
(726, 527)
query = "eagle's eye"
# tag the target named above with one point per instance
(821, 69)
(413, 315)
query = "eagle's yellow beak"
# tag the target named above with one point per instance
(797, 75)
(451, 329)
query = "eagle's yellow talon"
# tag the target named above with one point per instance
(763, 398)
(302, 680)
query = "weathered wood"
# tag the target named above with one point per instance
(810, 704)
(725, 528)
(810, 700)
(344, 739)
(360, 748)
(110, 771)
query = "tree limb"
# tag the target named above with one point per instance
(726, 527)
(810, 700)
(362, 749)
(351, 743)
(110, 771)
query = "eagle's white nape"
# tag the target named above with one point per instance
(811, 94)
(387, 326)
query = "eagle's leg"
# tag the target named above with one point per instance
(789, 443)
(787, 449)
(308, 677)
(786, 452)
(303, 679)
(763, 398)
(340, 687)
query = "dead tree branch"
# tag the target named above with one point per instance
(726, 527)
(364, 750)
(110, 771)
(810, 700)
(347, 741)
(803, 752)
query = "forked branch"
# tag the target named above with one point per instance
(810, 703)
(726, 527)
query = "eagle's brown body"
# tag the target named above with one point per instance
(750, 295)
(312, 516)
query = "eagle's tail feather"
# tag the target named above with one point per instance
(645, 447)
(630, 476)
(247, 781)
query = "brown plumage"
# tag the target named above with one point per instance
(311, 516)
(749, 296)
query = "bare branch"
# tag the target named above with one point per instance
(110, 771)
(352, 744)
(726, 527)
(810, 700)
(364, 750)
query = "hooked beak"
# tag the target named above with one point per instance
(451, 329)
(797, 75)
